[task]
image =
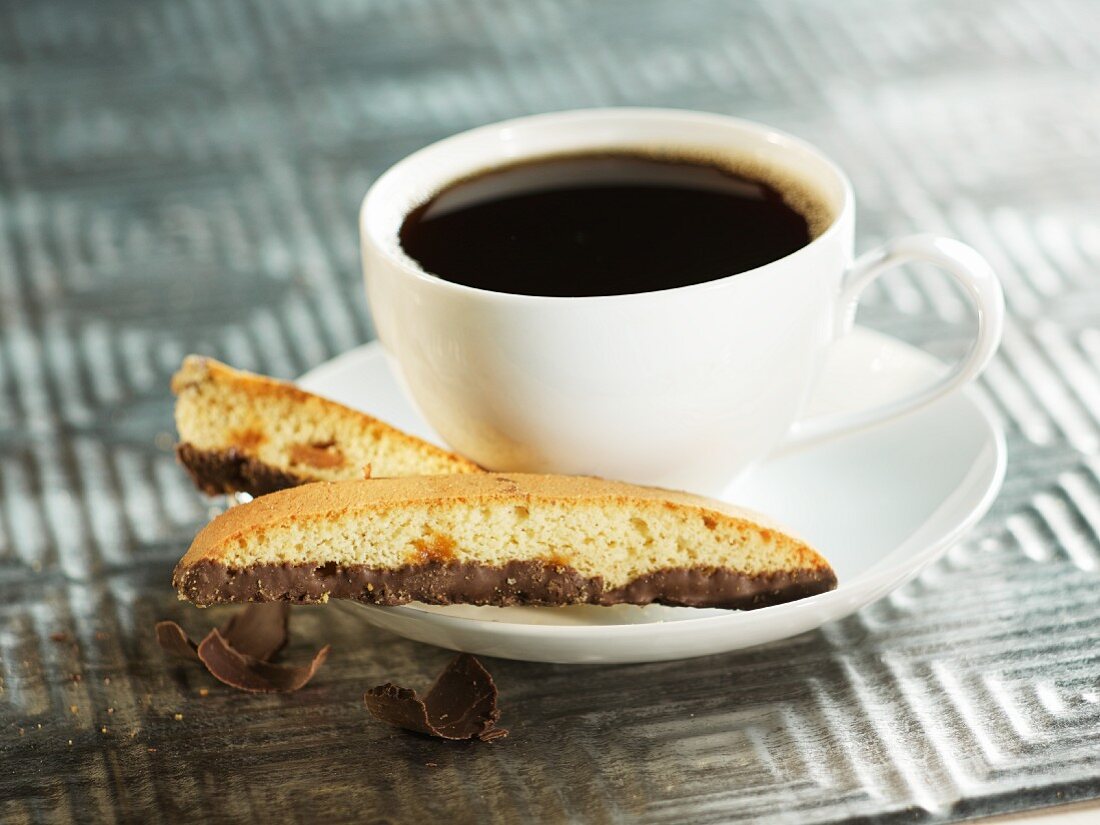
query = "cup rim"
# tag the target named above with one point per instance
(369, 232)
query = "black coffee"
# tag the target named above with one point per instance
(606, 224)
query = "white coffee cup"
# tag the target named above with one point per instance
(682, 388)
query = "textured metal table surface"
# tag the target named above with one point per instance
(183, 175)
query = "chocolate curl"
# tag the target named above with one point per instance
(172, 638)
(254, 675)
(260, 630)
(461, 704)
(238, 653)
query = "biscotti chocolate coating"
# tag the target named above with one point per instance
(516, 583)
(218, 472)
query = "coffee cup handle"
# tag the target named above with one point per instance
(979, 282)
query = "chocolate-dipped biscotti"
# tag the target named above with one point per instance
(497, 539)
(241, 432)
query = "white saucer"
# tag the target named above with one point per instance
(880, 505)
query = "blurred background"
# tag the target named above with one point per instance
(184, 176)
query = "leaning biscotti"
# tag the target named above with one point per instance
(241, 432)
(497, 539)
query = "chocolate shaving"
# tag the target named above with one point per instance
(248, 673)
(461, 704)
(172, 638)
(238, 653)
(260, 630)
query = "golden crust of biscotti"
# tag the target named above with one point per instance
(241, 432)
(333, 502)
(604, 532)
